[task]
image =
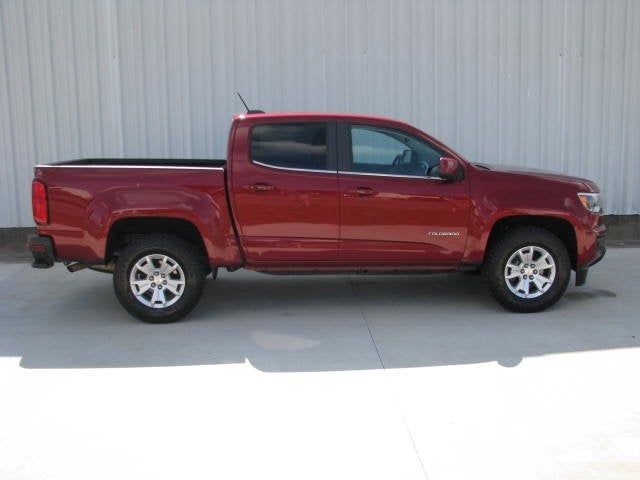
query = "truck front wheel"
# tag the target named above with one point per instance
(527, 269)
(159, 278)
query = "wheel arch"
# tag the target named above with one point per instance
(124, 230)
(560, 227)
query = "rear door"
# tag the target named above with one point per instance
(285, 191)
(394, 208)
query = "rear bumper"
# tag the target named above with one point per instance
(42, 250)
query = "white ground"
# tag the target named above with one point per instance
(320, 377)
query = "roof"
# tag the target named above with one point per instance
(326, 116)
(315, 114)
(346, 117)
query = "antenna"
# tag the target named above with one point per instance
(246, 106)
(243, 102)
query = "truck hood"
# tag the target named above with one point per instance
(584, 183)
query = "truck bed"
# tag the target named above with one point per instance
(88, 198)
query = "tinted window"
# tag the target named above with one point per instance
(381, 150)
(294, 145)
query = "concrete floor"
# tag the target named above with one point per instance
(320, 377)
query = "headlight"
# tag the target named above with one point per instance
(591, 201)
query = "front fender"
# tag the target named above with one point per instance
(496, 196)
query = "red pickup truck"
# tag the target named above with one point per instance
(315, 192)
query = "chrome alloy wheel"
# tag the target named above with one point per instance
(157, 281)
(530, 272)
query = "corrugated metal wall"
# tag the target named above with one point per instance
(545, 83)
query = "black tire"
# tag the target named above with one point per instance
(190, 260)
(498, 256)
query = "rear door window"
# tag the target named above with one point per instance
(290, 145)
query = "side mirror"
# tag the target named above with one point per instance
(450, 169)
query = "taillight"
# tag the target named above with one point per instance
(39, 202)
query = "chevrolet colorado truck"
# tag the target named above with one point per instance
(315, 193)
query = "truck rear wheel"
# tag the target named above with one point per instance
(527, 269)
(159, 278)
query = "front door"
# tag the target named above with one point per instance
(393, 207)
(285, 192)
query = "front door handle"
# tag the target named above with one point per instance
(365, 191)
(261, 187)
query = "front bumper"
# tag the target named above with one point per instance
(42, 250)
(602, 249)
(581, 273)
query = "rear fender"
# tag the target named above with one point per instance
(208, 212)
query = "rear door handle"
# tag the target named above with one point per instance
(365, 191)
(261, 187)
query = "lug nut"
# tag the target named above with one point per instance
(530, 277)
(535, 272)
(164, 282)
(162, 275)
(151, 279)
(522, 270)
(159, 287)
(153, 285)
(524, 276)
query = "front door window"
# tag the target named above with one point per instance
(391, 152)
